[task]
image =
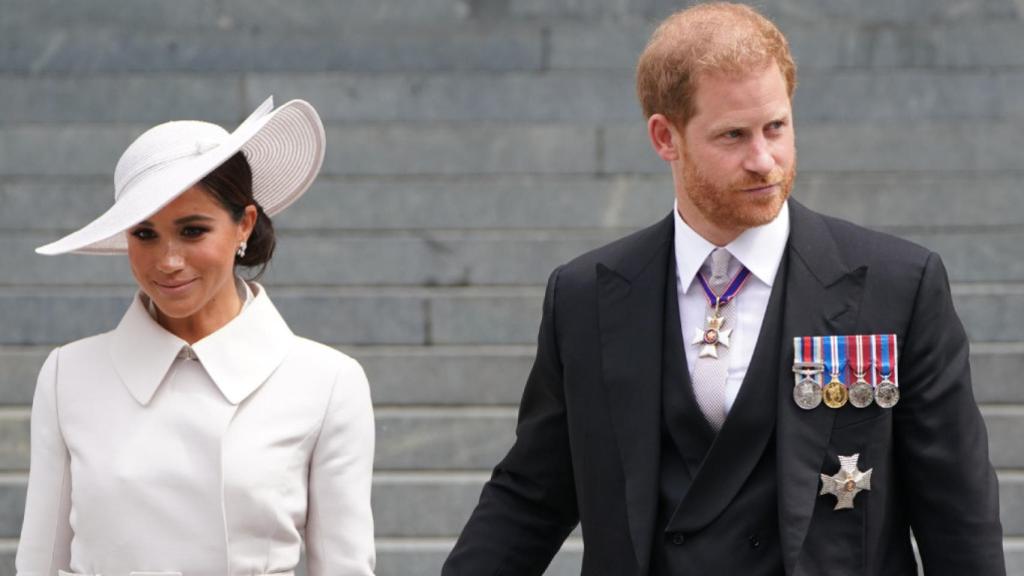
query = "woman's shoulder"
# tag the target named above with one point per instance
(328, 360)
(92, 348)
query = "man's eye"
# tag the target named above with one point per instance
(144, 234)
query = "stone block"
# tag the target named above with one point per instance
(614, 45)
(70, 150)
(32, 14)
(12, 507)
(422, 505)
(445, 376)
(126, 99)
(28, 268)
(38, 318)
(904, 95)
(361, 48)
(911, 146)
(443, 439)
(881, 11)
(19, 368)
(400, 557)
(14, 440)
(1011, 503)
(991, 313)
(355, 318)
(1014, 550)
(459, 149)
(55, 204)
(480, 202)
(1005, 429)
(327, 14)
(566, 96)
(977, 257)
(432, 259)
(918, 201)
(486, 318)
(995, 373)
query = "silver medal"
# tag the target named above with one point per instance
(887, 394)
(861, 394)
(807, 394)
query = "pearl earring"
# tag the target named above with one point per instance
(241, 249)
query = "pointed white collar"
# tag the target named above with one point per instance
(239, 356)
(759, 248)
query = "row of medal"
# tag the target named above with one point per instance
(860, 369)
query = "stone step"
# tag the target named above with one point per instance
(270, 15)
(491, 375)
(820, 44)
(507, 315)
(490, 148)
(437, 505)
(900, 202)
(424, 558)
(458, 258)
(475, 438)
(935, 147)
(82, 51)
(568, 96)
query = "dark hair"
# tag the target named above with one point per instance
(231, 185)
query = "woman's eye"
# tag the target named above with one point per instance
(193, 231)
(144, 234)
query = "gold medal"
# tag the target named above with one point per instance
(835, 394)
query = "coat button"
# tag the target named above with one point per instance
(755, 542)
(678, 538)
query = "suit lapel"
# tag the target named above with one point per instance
(631, 287)
(823, 297)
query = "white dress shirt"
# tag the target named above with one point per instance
(760, 249)
(217, 462)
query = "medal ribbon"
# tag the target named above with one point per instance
(888, 351)
(717, 301)
(874, 361)
(857, 364)
(835, 355)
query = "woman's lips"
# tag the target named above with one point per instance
(174, 288)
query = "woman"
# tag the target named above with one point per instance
(200, 437)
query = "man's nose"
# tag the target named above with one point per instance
(759, 159)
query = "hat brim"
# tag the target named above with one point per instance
(284, 148)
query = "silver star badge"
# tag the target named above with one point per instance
(846, 483)
(711, 336)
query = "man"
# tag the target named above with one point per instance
(673, 409)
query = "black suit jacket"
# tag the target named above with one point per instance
(587, 440)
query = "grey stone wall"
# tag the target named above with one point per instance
(473, 146)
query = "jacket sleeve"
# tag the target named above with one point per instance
(528, 507)
(45, 544)
(951, 491)
(339, 529)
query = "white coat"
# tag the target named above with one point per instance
(150, 457)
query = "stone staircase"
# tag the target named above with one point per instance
(473, 145)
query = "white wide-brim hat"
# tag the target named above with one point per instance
(284, 148)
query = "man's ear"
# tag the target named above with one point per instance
(666, 140)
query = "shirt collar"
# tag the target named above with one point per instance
(759, 249)
(238, 357)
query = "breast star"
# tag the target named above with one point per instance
(847, 482)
